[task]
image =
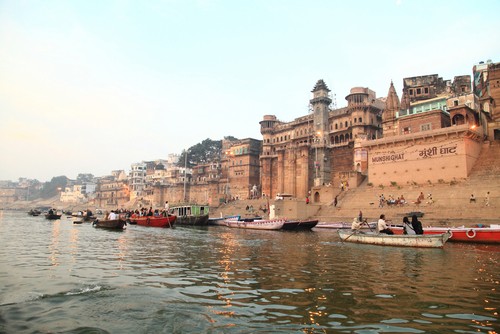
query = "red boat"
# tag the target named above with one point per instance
(489, 235)
(154, 221)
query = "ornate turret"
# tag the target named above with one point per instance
(392, 106)
(320, 104)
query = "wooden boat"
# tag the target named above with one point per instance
(34, 212)
(344, 225)
(273, 224)
(220, 221)
(191, 215)
(153, 221)
(488, 235)
(373, 238)
(299, 225)
(115, 224)
(52, 216)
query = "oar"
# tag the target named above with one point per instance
(365, 222)
(350, 235)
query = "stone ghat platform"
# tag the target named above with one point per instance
(450, 205)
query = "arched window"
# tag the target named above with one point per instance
(346, 124)
(360, 120)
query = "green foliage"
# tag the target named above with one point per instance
(394, 183)
(53, 187)
(202, 153)
(82, 178)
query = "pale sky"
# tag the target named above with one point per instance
(93, 86)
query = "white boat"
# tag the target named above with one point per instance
(273, 224)
(373, 238)
(344, 225)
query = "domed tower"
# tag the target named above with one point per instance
(392, 106)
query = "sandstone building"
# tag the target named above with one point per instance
(432, 135)
(318, 149)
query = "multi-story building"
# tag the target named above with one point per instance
(137, 180)
(487, 89)
(73, 194)
(431, 135)
(240, 177)
(318, 149)
(112, 191)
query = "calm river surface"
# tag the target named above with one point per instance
(60, 277)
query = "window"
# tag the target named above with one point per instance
(426, 90)
(425, 127)
(419, 91)
(406, 130)
(455, 103)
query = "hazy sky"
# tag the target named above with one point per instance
(92, 86)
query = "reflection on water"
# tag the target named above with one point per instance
(75, 277)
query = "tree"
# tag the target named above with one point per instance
(84, 178)
(52, 188)
(201, 153)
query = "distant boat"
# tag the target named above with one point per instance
(115, 224)
(373, 238)
(273, 224)
(299, 225)
(34, 212)
(52, 216)
(154, 221)
(191, 215)
(344, 225)
(220, 221)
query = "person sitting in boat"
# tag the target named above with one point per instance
(407, 227)
(112, 215)
(382, 226)
(356, 225)
(417, 225)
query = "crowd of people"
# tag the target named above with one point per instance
(142, 212)
(391, 200)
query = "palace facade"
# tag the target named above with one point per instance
(318, 149)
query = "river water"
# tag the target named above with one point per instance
(60, 277)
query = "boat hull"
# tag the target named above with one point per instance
(115, 224)
(484, 235)
(256, 224)
(155, 221)
(344, 225)
(425, 241)
(193, 220)
(52, 216)
(299, 225)
(221, 220)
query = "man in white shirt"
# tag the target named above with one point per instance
(382, 226)
(112, 215)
